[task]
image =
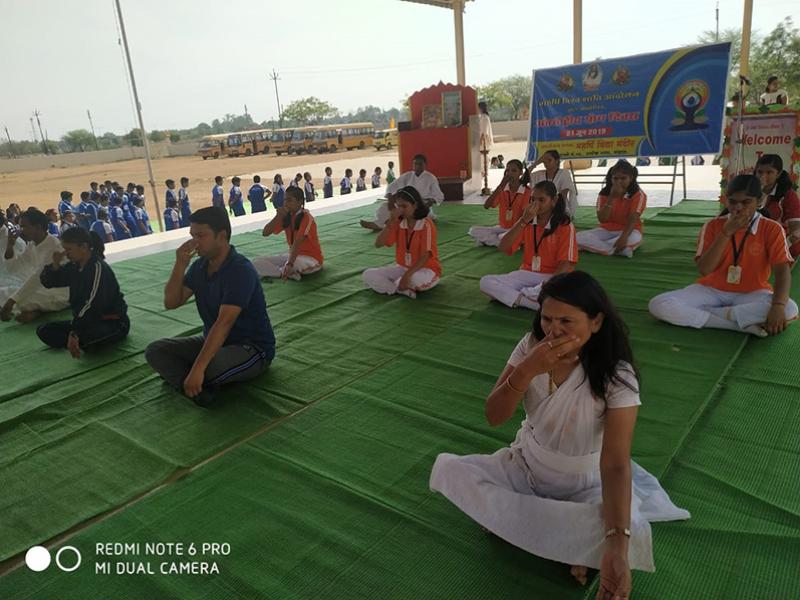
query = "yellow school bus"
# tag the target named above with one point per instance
(385, 138)
(327, 138)
(212, 146)
(302, 140)
(280, 139)
(357, 135)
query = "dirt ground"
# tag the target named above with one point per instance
(41, 188)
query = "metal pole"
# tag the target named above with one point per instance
(33, 130)
(577, 31)
(88, 114)
(716, 36)
(674, 174)
(139, 114)
(275, 78)
(684, 177)
(458, 14)
(10, 144)
(36, 114)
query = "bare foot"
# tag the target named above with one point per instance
(579, 573)
(28, 316)
(369, 225)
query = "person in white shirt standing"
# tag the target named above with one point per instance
(561, 178)
(423, 181)
(774, 93)
(27, 296)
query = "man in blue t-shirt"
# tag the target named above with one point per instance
(237, 341)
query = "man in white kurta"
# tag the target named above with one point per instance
(21, 290)
(423, 181)
(543, 493)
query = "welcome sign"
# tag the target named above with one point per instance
(660, 104)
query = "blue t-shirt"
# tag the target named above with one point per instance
(256, 197)
(171, 219)
(52, 229)
(235, 283)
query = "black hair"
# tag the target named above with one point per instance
(236, 180)
(421, 157)
(93, 183)
(770, 79)
(750, 185)
(482, 106)
(364, 171)
(84, 195)
(277, 176)
(36, 218)
(300, 175)
(170, 182)
(65, 194)
(186, 179)
(391, 164)
(139, 187)
(102, 211)
(2, 217)
(296, 194)
(626, 168)
(256, 178)
(348, 172)
(328, 169)
(602, 354)
(410, 194)
(218, 179)
(79, 236)
(138, 200)
(784, 183)
(554, 153)
(559, 215)
(526, 177)
(213, 216)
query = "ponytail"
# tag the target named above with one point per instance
(559, 215)
(79, 236)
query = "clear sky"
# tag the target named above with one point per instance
(196, 60)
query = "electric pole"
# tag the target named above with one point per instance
(10, 144)
(275, 78)
(717, 35)
(88, 114)
(33, 131)
(36, 114)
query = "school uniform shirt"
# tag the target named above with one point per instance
(293, 183)
(327, 187)
(559, 246)
(416, 242)
(65, 206)
(218, 196)
(235, 283)
(65, 226)
(82, 215)
(172, 219)
(361, 185)
(784, 210)
(127, 214)
(308, 189)
(185, 208)
(52, 229)
(764, 248)
(307, 227)
(510, 205)
(140, 214)
(91, 212)
(278, 193)
(256, 194)
(235, 198)
(171, 196)
(772, 97)
(376, 180)
(94, 293)
(426, 184)
(345, 186)
(623, 208)
(94, 196)
(103, 229)
(118, 222)
(390, 177)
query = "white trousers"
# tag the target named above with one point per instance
(488, 236)
(518, 288)
(384, 280)
(382, 214)
(272, 266)
(702, 306)
(601, 241)
(42, 300)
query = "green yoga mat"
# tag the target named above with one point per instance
(332, 501)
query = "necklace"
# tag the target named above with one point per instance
(551, 383)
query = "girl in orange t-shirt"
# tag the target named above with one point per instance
(413, 234)
(510, 198)
(619, 209)
(549, 247)
(305, 255)
(736, 254)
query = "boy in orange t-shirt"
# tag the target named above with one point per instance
(413, 234)
(305, 254)
(736, 254)
(619, 209)
(549, 247)
(510, 198)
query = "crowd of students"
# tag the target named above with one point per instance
(574, 372)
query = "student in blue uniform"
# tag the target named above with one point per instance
(183, 202)
(102, 227)
(94, 192)
(141, 216)
(257, 194)
(80, 211)
(235, 201)
(99, 312)
(171, 194)
(327, 183)
(218, 193)
(68, 221)
(52, 227)
(278, 191)
(237, 342)
(65, 204)
(361, 182)
(172, 219)
(376, 178)
(308, 187)
(127, 213)
(345, 186)
(117, 217)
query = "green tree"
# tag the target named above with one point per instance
(507, 98)
(777, 54)
(156, 136)
(133, 137)
(78, 140)
(174, 137)
(309, 111)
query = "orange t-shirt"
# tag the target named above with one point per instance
(511, 205)
(416, 242)
(308, 227)
(557, 247)
(764, 248)
(622, 209)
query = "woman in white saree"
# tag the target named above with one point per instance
(566, 489)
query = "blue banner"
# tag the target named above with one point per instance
(660, 104)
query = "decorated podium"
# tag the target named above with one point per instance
(440, 129)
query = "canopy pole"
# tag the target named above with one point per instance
(577, 31)
(747, 24)
(458, 15)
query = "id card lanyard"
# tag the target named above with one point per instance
(536, 261)
(735, 271)
(409, 240)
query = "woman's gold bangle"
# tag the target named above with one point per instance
(511, 387)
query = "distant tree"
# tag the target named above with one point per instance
(203, 129)
(174, 137)
(777, 54)
(156, 136)
(309, 111)
(133, 137)
(78, 140)
(507, 98)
